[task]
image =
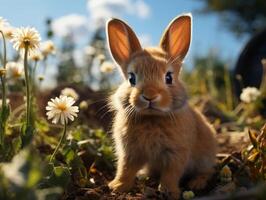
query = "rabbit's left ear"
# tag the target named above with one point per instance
(177, 37)
(122, 41)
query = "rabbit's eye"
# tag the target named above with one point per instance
(168, 78)
(132, 78)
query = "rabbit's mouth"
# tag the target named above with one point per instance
(151, 102)
(151, 109)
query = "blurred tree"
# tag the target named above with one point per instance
(240, 16)
(210, 76)
(96, 55)
(67, 69)
(95, 48)
(89, 69)
(49, 32)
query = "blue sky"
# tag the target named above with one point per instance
(208, 31)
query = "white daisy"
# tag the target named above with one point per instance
(47, 48)
(70, 92)
(36, 56)
(61, 109)
(8, 32)
(107, 67)
(14, 69)
(3, 23)
(249, 94)
(101, 58)
(90, 50)
(23, 37)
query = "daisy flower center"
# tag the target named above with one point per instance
(17, 73)
(26, 41)
(62, 107)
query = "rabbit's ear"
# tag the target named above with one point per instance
(177, 37)
(122, 42)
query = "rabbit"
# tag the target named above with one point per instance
(154, 126)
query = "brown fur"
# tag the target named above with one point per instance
(171, 138)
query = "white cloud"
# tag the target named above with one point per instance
(145, 40)
(101, 10)
(70, 25)
(142, 9)
(104, 9)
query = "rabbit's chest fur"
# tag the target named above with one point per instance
(154, 139)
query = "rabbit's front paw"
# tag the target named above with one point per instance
(171, 192)
(119, 186)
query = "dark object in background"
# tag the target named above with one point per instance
(249, 62)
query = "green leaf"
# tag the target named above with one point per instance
(100, 134)
(42, 125)
(70, 155)
(61, 176)
(5, 113)
(16, 144)
(34, 177)
(52, 193)
(27, 134)
(72, 158)
(49, 169)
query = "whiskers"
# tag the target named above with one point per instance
(131, 114)
(105, 109)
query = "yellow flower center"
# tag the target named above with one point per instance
(26, 41)
(2, 72)
(17, 74)
(62, 107)
(36, 58)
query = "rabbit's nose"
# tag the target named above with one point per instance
(149, 98)
(146, 98)
(149, 94)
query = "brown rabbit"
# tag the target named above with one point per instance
(154, 126)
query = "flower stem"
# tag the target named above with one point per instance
(4, 49)
(33, 76)
(34, 70)
(60, 142)
(3, 81)
(28, 114)
(44, 64)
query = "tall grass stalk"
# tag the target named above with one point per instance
(4, 89)
(263, 80)
(228, 89)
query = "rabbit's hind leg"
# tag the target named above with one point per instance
(199, 181)
(125, 175)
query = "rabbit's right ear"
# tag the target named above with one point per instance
(177, 37)
(122, 42)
